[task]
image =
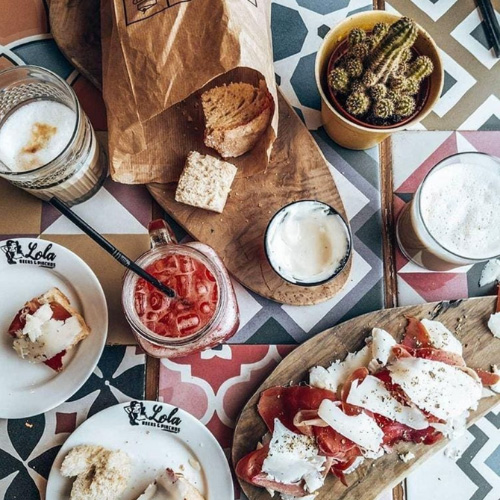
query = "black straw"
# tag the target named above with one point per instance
(491, 22)
(109, 247)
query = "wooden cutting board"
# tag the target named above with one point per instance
(466, 318)
(297, 170)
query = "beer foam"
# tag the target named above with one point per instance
(460, 206)
(35, 134)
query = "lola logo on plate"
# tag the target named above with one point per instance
(164, 420)
(36, 253)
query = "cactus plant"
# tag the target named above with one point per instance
(357, 86)
(420, 68)
(380, 30)
(354, 67)
(356, 36)
(383, 108)
(378, 91)
(358, 103)
(412, 86)
(360, 50)
(338, 79)
(405, 105)
(376, 77)
(401, 35)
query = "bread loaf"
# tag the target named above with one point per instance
(205, 182)
(236, 115)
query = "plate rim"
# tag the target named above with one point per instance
(101, 333)
(185, 414)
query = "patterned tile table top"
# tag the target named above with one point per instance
(121, 212)
(471, 94)
(470, 468)
(29, 446)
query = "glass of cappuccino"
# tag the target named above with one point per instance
(47, 144)
(454, 217)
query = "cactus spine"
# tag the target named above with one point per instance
(338, 79)
(405, 106)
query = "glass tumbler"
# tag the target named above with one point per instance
(79, 169)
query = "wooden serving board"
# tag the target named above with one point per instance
(297, 170)
(467, 318)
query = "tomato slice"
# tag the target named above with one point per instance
(284, 403)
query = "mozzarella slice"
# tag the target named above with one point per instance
(34, 322)
(381, 346)
(441, 337)
(444, 391)
(454, 427)
(491, 272)
(55, 337)
(338, 372)
(360, 429)
(494, 324)
(372, 395)
(292, 458)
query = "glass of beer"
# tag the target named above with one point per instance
(47, 144)
(454, 217)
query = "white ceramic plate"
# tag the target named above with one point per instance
(28, 268)
(161, 436)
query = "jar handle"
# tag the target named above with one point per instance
(160, 233)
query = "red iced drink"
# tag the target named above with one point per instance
(204, 311)
(193, 307)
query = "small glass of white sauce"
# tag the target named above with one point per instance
(307, 243)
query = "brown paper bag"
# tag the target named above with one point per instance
(158, 56)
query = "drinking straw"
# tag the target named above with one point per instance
(109, 247)
(491, 22)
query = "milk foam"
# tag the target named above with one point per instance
(35, 134)
(460, 205)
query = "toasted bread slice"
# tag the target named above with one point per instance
(236, 116)
(205, 182)
(47, 350)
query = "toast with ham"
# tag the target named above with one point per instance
(46, 327)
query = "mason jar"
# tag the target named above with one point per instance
(204, 312)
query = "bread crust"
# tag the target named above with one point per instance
(231, 142)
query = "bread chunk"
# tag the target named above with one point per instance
(236, 115)
(101, 474)
(205, 182)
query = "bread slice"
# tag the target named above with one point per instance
(35, 346)
(236, 115)
(101, 474)
(205, 182)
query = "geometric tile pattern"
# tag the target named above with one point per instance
(28, 447)
(470, 98)
(476, 474)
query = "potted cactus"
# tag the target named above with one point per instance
(379, 74)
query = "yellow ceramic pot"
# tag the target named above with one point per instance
(344, 131)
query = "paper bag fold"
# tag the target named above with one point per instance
(158, 57)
